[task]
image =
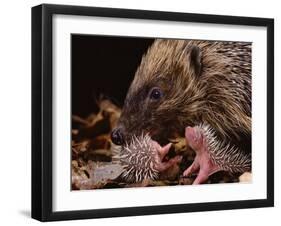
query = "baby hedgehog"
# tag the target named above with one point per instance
(213, 155)
(142, 159)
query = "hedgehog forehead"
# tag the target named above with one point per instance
(137, 92)
(161, 59)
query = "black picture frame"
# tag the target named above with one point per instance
(42, 111)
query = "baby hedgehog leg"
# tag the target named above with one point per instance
(212, 155)
(202, 161)
(161, 152)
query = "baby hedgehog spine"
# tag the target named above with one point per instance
(226, 156)
(137, 159)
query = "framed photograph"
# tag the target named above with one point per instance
(146, 112)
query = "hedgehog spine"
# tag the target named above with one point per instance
(137, 159)
(223, 154)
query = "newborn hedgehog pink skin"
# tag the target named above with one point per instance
(161, 152)
(211, 155)
(202, 161)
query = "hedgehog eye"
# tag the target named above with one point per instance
(156, 93)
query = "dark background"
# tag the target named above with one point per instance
(103, 65)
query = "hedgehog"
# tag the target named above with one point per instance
(213, 155)
(141, 159)
(181, 84)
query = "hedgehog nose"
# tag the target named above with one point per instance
(117, 136)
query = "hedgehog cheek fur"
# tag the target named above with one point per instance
(213, 155)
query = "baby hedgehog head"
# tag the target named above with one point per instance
(137, 159)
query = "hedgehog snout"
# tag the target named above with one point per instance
(117, 136)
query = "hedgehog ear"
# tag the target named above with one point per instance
(196, 59)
